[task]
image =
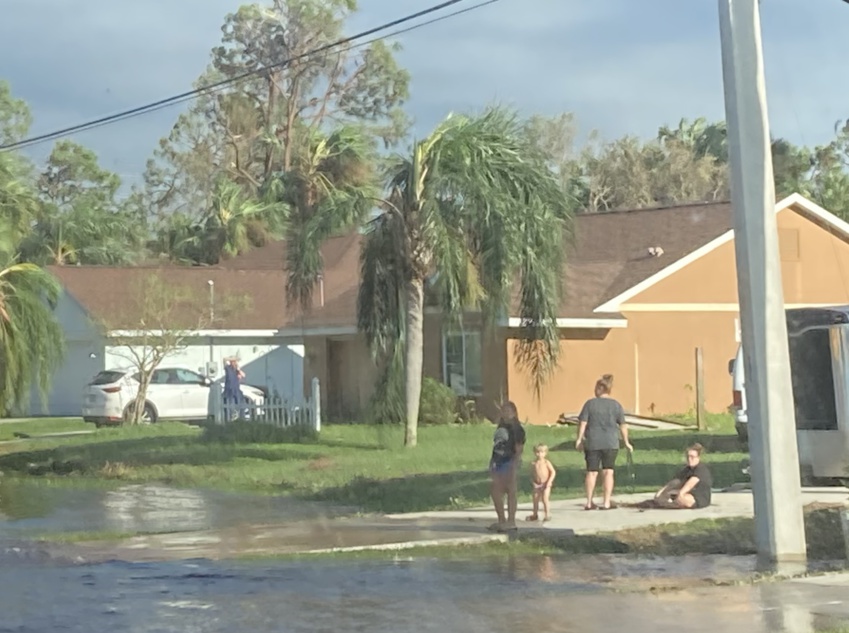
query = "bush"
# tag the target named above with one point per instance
(468, 413)
(438, 403)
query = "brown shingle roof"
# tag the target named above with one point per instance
(109, 293)
(608, 255)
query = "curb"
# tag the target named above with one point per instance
(389, 547)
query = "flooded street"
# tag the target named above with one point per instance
(46, 590)
(39, 508)
(520, 595)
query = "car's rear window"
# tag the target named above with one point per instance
(106, 377)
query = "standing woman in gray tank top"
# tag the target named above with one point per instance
(600, 423)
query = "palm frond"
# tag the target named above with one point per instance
(332, 188)
(386, 405)
(31, 340)
(383, 275)
(502, 212)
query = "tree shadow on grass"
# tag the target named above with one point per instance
(414, 493)
(681, 440)
(641, 474)
(359, 446)
(674, 442)
(138, 452)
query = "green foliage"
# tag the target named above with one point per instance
(32, 344)
(354, 464)
(438, 403)
(159, 316)
(80, 219)
(15, 116)
(233, 224)
(330, 187)
(18, 202)
(475, 214)
(253, 132)
(386, 405)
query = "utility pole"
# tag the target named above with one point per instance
(779, 522)
(211, 363)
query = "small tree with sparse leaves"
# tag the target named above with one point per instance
(160, 319)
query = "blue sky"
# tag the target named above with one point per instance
(621, 66)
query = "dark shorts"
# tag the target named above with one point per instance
(601, 460)
(701, 502)
(500, 469)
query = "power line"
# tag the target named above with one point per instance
(213, 87)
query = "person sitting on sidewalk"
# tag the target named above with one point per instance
(691, 487)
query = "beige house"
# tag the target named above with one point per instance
(643, 290)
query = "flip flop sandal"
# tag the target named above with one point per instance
(532, 517)
(592, 507)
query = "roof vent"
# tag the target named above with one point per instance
(655, 251)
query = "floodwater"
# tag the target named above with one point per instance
(533, 595)
(40, 508)
(42, 590)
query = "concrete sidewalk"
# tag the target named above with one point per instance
(569, 515)
(404, 531)
(297, 537)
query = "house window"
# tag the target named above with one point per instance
(461, 362)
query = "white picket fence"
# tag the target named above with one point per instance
(274, 411)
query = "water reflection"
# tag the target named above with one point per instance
(155, 509)
(783, 614)
(41, 507)
(525, 595)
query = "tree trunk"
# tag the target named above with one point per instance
(413, 357)
(141, 396)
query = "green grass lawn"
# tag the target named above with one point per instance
(359, 465)
(41, 426)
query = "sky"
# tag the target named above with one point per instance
(620, 66)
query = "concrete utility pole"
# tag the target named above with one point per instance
(779, 522)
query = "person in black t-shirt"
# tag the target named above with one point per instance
(507, 445)
(691, 487)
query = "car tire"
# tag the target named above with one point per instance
(148, 415)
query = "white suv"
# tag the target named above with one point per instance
(174, 393)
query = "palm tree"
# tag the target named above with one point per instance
(705, 139)
(31, 340)
(234, 219)
(18, 202)
(331, 187)
(475, 208)
(233, 224)
(83, 235)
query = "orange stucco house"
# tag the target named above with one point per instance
(642, 290)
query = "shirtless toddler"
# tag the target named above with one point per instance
(542, 473)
